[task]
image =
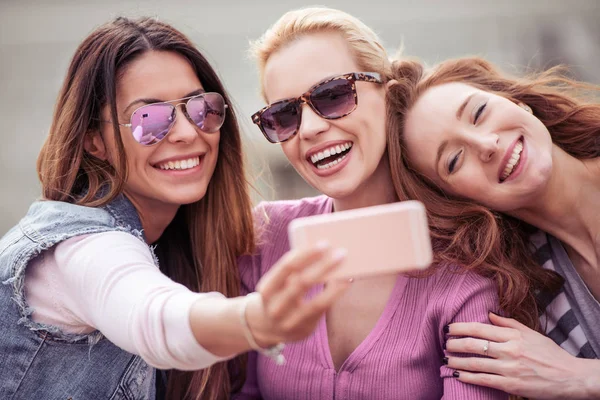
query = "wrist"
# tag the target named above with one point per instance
(272, 350)
(591, 379)
(256, 322)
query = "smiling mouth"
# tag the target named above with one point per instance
(331, 156)
(513, 162)
(179, 164)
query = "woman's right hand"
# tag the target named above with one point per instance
(282, 313)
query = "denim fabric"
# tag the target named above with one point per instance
(39, 361)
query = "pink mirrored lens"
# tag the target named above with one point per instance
(207, 111)
(151, 123)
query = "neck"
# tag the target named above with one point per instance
(568, 207)
(154, 215)
(377, 190)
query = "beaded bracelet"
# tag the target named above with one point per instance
(273, 352)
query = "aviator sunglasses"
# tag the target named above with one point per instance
(151, 123)
(332, 98)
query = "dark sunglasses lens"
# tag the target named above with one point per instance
(150, 124)
(334, 99)
(207, 111)
(280, 121)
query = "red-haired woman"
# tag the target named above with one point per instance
(509, 169)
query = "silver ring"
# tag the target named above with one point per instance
(486, 347)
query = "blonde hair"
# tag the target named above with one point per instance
(365, 45)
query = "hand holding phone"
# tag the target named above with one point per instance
(381, 239)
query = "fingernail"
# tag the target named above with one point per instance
(456, 374)
(444, 345)
(446, 328)
(322, 245)
(445, 360)
(350, 280)
(339, 254)
(495, 313)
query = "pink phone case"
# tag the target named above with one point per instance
(389, 238)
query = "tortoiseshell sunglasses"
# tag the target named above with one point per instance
(331, 98)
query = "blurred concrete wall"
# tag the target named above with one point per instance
(37, 39)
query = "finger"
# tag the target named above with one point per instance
(311, 311)
(291, 294)
(507, 322)
(474, 346)
(476, 364)
(291, 261)
(317, 272)
(483, 331)
(488, 380)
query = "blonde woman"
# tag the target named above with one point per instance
(322, 75)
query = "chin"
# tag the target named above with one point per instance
(186, 198)
(341, 191)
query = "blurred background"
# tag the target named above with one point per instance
(37, 39)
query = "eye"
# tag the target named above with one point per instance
(478, 113)
(453, 161)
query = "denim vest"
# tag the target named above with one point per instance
(39, 361)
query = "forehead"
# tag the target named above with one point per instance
(435, 110)
(297, 66)
(157, 74)
(444, 98)
(432, 119)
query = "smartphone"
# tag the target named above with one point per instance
(381, 239)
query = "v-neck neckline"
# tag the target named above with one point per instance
(359, 353)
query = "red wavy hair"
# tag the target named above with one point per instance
(464, 232)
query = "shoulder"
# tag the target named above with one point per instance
(453, 288)
(48, 218)
(287, 210)
(272, 216)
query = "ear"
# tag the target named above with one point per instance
(94, 145)
(525, 107)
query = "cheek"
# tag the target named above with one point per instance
(214, 140)
(290, 149)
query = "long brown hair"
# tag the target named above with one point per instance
(200, 247)
(491, 243)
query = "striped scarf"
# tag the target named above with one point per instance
(558, 319)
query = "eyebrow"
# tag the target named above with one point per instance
(439, 155)
(154, 100)
(462, 107)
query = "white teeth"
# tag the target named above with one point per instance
(315, 158)
(514, 159)
(180, 164)
(332, 163)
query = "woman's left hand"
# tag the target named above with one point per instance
(520, 361)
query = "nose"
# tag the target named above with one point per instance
(311, 124)
(184, 130)
(486, 145)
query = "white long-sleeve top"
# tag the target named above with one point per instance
(109, 282)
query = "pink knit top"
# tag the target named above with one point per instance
(401, 358)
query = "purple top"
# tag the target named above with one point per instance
(401, 358)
